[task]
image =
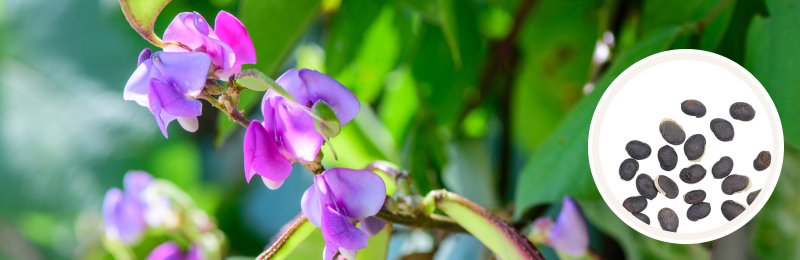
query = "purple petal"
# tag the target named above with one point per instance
(122, 217)
(342, 100)
(200, 24)
(139, 83)
(329, 251)
(261, 155)
(296, 130)
(372, 226)
(189, 124)
(145, 55)
(232, 32)
(186, 71)
(155, 108)
(173, 102)
(291, 82)
(195, 253)
(221, 55)
(310, 205)
(135, 182)
(360, 193)
(166, 251)
(570, 234)
(336, 228)
(183, 30)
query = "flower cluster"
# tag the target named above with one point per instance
(168, 82)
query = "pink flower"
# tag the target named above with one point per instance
(171, 251)
(228, 44)
(569, 234)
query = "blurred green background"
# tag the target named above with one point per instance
(491, 99)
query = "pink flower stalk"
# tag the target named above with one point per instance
(228, 44)
(288, 135)
(338, 200)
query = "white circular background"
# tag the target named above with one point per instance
(653, 89)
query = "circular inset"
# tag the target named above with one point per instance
(683, 86)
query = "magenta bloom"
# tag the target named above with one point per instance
(166, 83)
(569, 234)
(171, 251)
(228, 45)
(338, 199)
(124, 212)
(287, 134)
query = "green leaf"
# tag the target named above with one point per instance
(469, 172)
(556, 59)
(732, 45)
(378, 245)
(560, 165)
(349, 27)
(142, 14)
(634, 244)
(442, 13)
(291, 236)
(255, 80)
(773, 56)
(775, 228)
(496, 234)
(275, 26)
(660, 14)
(323, 114)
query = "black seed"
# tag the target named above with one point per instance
(666, 186)
(722, 129)
(722, 168)
(762, 161)
(641, 216)
(695, 147)
(667, 158)
(635, 204)
(694, 197)
(742, 111)
(638, 150)
(693, 174)
(735, 183)
(668, 220)
(672, 132)
(646, 186)
(693, 108)
(698, 211)
(752, 196)
(628, 168)
(731, 209)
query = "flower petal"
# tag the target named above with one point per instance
(296, 129)
(232, 32)
(182, 29)
(139, 83)
(272, 185)
(340, 98)
(348, 254)
(185, 70)
(155, 108)
(166, 251)
(173, 102)
(372, 226)
(570, 234)
(135, 182)
(329, 252)
(310, 205)
(336, 228)
(195, 252)
(291, 82)
(261, 155)
(122, 217)
(360, 193)
(189, 124)
(144, 55)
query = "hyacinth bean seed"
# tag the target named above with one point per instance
(722, 168)
(693, 108)
(693, 174)
(667, 158)
(735, 183)
(646, 186)
(698, 211)
(628, 168)
(668, 220)
(731, 209)
(638, 150)
(742, 111)
(694, 197)
(752, 196)
(635, 204)
(695, 147)
(672, 132)
(722, 129)
(641, 216)
(666, 186)
(762, 161)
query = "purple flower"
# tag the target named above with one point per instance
(228, 45)
(123, 212)
(171, 251)
(165, 82)
(569, 234)
(339, 199)
(287, 135)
